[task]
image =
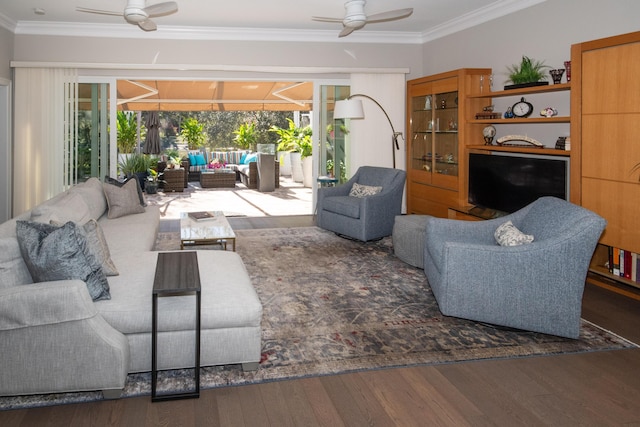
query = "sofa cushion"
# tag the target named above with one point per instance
(13, 270)
(122, 200)
(60, 253)
(253, 157)
(359, 190)
(508, 235)
(68, 207)
(93, 195)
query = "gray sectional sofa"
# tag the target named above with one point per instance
(55, 338)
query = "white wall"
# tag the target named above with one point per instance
(6, 52)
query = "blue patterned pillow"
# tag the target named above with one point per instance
(60, 253)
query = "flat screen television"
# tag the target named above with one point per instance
(506, 182)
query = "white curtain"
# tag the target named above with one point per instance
(45, 134)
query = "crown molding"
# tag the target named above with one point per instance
(488, 13)
(75, 29)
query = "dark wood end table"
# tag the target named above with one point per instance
(176, 274)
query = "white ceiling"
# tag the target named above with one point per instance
(256, 19)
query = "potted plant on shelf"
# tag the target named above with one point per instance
(530, 72)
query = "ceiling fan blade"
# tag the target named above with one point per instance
(392, 15)
(325, 19)
(346, 31)
(148, 25)
(161, 9)
(98, 11)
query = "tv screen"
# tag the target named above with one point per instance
(506, 182)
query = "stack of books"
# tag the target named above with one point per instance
(624, 263)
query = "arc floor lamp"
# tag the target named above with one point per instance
(350, 108)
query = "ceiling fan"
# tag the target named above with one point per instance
(355, 18)
(138, 13)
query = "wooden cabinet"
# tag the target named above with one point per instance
(605, 116)
(437, 110)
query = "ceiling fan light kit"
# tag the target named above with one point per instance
(138, 13)
(355, 18)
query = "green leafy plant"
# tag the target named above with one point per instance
(294, 138)
(136, 163)
(246, 136)
(528, 71)
(127, 127)
(192, 132)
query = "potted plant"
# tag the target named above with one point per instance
(295, 140)
(246, 136)
(530, 72)
(137, 165)
(192, 132)
(127, 133)
(151, 187)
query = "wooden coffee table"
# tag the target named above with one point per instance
(210, 231)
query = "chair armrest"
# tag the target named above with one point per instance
(45, 303)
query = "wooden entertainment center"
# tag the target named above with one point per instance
(442, 129)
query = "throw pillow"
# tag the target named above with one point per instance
(60, 253)
(359, 190)
(508, 234)
(200, 161)
(253, 157)
(122, 200)
(97, 245)
(109, 180)
(67, 207)
(13, 270)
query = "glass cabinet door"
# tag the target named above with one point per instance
(445, 134)
(421, 134)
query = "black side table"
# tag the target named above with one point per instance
(176, 274)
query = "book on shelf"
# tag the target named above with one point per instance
(201, 216)
(624, 263)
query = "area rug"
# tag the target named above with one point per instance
(332, 305)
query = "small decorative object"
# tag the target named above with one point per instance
(488, 113)
(443, 104)
(556, 75)
(488, 133)
(508, 114)
(530, 72)
(567, 66)
(449, 158)
(549, 112)
(522, 108)
(216, 164)
(427, 103)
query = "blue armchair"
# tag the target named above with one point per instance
(536, 286)
(363, 218)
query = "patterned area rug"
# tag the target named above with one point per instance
(332, 305)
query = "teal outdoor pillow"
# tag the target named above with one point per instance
(60, 253)
(200, 161)
(253, 157)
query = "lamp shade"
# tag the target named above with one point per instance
(348, 109)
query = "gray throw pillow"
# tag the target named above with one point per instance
(122, 200)
(60, 253)
(97, 245)
(113, 181)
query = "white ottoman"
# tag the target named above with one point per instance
(408, 238)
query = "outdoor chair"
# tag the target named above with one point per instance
(535, 286)
(348, 211)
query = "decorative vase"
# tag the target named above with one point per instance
(556, 75)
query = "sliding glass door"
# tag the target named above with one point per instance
(91, 157)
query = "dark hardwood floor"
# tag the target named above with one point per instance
(595, 389)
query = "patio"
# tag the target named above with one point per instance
(291, 199)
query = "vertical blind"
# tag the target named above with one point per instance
(45, 134)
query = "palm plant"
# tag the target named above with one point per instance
(127, 127)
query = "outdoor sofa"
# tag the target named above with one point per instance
(56, 338)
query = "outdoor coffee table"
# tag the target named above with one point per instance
(221, 178)
(214, 229)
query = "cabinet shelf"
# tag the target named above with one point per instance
(512, 149)
(555, 119)
(525, 91)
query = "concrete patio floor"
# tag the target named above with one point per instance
(290, 199)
